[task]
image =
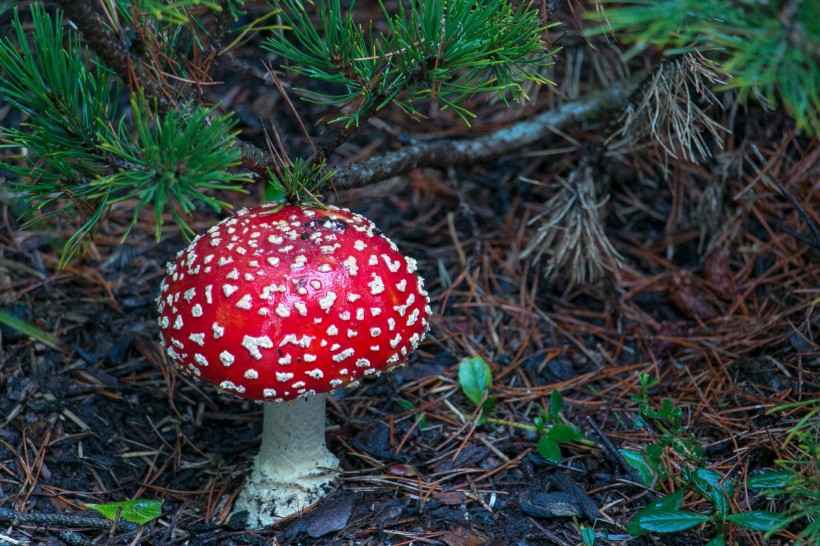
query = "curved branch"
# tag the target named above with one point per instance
(442, 153)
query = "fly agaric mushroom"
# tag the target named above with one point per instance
(283, 304)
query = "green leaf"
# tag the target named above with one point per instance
(139, 511)
(668, 503)
(474, 377)
(654, 453)
(487, 408)
(556, 405)
(758, 520)
(273, 192)
(407, 405)
(771, 480)
(708, 484)
(563, 433)
(667, 408)
(548, 449)
(29, 330)
(717, 541)
(636, 460)
(588, 536)
(667, 521)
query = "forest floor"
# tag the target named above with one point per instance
(715, 292)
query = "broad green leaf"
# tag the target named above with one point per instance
(474, 377)
(716, 479)
(668, 503)
(671, 501)
(667, 408)
(588, 536)
(719, 500)
(708, 483)
(139, 511)
(668, 521)
(563, 433)
(758, 520)
(636, 460)
(771, 480)
(549, 449)
(29, 330)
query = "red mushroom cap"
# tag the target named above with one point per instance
(282, 301)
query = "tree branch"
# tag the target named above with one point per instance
(442, 153)
(110, 49)
(424, 155)
(101, 39)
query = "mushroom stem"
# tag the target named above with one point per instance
(294, 468)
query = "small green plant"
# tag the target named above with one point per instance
(797, 481)
(407, 405)
(587, 534)
(475, 379)
(666, 515)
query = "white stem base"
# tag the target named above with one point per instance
(294, 468)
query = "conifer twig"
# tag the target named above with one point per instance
(459, 152)
(101, 39)
(110, 49)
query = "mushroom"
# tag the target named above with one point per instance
(283, 304)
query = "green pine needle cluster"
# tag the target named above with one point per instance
(298, 181)
(83, 156)
(770, 50)
(442, 50)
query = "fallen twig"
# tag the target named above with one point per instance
(446, 152)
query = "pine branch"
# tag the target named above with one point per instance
(83, 156)
(443, 50)
(768, 50)
(110, 49)
(504, 141)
